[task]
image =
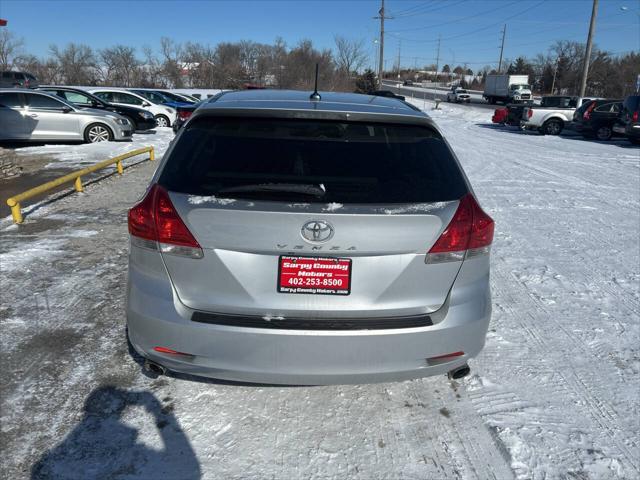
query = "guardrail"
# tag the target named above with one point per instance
(76, 177)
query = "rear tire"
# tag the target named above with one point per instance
(552, 127)
(604, 133)
(162, 121)
(98, 132)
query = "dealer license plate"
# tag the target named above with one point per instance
(314, 275)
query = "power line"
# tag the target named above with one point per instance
(417, 10)
(501, 7)
(481, 29)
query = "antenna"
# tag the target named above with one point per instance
(315, 96)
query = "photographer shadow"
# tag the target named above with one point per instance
(104, 446)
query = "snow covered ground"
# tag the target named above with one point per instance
(73, 156)
(553, 395)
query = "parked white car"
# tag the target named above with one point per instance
(36, 116)
(165, 115)
(458, 95)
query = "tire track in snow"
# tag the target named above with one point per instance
(552, 347)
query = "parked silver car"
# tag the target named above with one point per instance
(27, 115)
(298, 241)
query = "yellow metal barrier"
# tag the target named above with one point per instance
(76, 177)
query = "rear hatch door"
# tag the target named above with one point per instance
(254, 191)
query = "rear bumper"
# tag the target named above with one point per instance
(317, 358)
(631, 130)
(156, 317)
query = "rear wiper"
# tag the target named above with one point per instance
(300, 188)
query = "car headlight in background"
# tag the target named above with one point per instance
(147, 115)
(122, 121)
(170, 110)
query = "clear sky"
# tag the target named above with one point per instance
(470, 29)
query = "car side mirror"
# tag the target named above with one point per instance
(146, 104)
(67, 109)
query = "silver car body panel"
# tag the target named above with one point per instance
(29, 123)
(242, 242)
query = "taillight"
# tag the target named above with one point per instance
(634, 117)
(529, 113)
(587, 113)
(184, 114)
(170, 351)
(154, 223)
(469, 233)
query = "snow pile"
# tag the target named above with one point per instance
(200, 200)
(332, 207)
(85, 154)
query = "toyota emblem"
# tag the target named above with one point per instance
(317, 231)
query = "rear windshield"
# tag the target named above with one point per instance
(350, 162)
(559, 102)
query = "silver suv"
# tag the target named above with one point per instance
(11, 79)
(299, 241)
(27, 115)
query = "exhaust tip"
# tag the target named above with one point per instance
(154, 368)
(459, 372)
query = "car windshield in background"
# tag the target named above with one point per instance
(155, 97)
(290, 160)
(172, 96)
(559, 102)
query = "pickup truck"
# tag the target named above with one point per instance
(458, 95)
(552, 115)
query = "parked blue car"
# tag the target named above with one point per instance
(160, 97)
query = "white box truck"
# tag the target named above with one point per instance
(507, 88)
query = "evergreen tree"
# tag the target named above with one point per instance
(366, 83)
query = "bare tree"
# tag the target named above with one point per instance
(229, 71)
(171, 66)
(78, 64)
(119, 65)
(46, 70)
(149, 74)
(350, 55)
(199, 64)
(11, 48)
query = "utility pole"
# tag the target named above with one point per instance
(382, 18)
(587, 53)
(504, 33)
(399, 47)
(438, 58)
(555, 72)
